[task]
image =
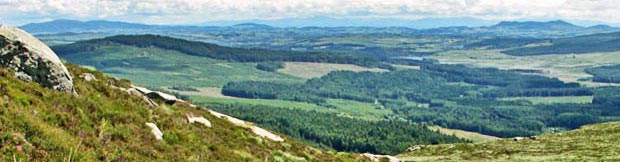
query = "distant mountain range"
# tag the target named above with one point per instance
(425, 23)
(455, 26)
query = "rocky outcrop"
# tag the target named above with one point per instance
(32, 60)
(167, 98)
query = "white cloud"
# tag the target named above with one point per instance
(196, 11)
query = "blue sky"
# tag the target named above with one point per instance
(18, 12)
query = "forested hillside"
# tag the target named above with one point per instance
(214, 51)
(605, 42)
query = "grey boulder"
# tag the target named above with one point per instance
(32, 60)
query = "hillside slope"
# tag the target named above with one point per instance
(112, 120)
(589, 143)
(106, 123)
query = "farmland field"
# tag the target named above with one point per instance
(312, 70)
(473, 136)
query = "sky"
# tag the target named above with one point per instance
(187, 12)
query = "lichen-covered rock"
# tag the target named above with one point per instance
(32, 60)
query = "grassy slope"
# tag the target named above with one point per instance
(106, 124)
(148, 66)
(589, 143)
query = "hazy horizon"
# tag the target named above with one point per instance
(313, 13)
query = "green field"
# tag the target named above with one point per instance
(158, 67)
(552, 100)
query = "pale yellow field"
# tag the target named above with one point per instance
(311, 70)
(475, 137)
(565, 67)
(406, 67)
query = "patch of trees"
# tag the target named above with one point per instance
(609, 98)
(604, 42)
(215, 51)
(338, 132)
(605, 74)
(269, 66)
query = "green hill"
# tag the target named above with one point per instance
(589, 143)
(605, 42)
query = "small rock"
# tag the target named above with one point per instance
(167, 98)
(266, 134)
(378, 158)
(156, 131)
(516, 139)
(201, 120)
(415, 148)
(142, 89)
(88, 77)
